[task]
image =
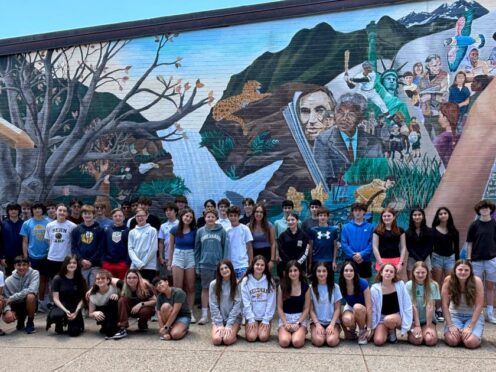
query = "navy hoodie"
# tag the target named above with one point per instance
(11, 245)
(87, 243)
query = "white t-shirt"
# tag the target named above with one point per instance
(2, 281)
(237, 238)
(164, 234)
(59, 239)
(224, 222)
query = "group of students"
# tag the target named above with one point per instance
(234, 257)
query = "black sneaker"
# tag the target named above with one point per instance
(59, 328)
(121, 334)
(439, 315)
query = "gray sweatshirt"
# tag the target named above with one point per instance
(258, 303)
(210, 247)
(227, 312)
(18, 287)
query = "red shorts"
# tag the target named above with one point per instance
(395, 261)
(118, 269)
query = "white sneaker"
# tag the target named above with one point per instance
(193, 319)
(203, 320)
(490, 318)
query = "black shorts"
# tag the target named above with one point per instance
(364, 269)
(262, 252)
(53, 268)
(40, 264)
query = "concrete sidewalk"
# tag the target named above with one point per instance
(46, 351)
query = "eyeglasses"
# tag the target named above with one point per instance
(99, 207)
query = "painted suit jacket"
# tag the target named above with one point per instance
(331, 152)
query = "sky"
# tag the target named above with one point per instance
(28, 17)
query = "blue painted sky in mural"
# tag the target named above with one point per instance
(30, 16)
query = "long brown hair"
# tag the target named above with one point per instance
(180, 226)
(455, 287)
(451, 111)
(427, 283)
(264, 223)
(143, 289)
(381, 227)
(286, 280)
(219, 279)
(378, 276)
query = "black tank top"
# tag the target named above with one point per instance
(390, 304)
(295, 304)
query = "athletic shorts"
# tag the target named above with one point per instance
(485, 269)
(206, 277)
(40, 264)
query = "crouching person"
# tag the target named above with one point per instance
(20, 295)
(173, 313)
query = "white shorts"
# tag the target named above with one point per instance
(293, 319)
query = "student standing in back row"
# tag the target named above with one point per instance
(239, 242)
(356, 241)
(142, 246)
(324, 241)
(210, 248)
(313, 220)
(481, 250)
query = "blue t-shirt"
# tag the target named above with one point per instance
(34, 230)
(457, 95)
(186, 241)
(323, 242)
(360, 299)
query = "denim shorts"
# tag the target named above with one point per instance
(184, 258)
(443, 262)
(411, 262)
(292, 319)
(462, 321)
(240, 272)
(186, 320)
(487, 267)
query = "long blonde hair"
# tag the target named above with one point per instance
(143, 289)
(427, 283)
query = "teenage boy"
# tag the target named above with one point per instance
(51, 210)
(35, 248)
(20, 291)
(208, 205)
(223, 206)
(75, 211)
(11, 244)
(248, 204)
(481, 250)
(145, 204)
(324, 241)
(171, 211)
(239, 243)
(101, 215)
(356, 240)
(127, 210)
(26, 210)
(281, 225)
(173, 313)
(86, 244)
(181, 201)
(115, 256)
(313, 220)
(58, 234)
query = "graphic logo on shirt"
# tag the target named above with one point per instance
(321, 235)
(39, 232)
(58, 236)
(117, 236)
(87, 237)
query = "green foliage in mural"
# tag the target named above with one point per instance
(364, 170)
(415, 182)
(218, 143)
(171, 186)
(231, 173)
(263, 143)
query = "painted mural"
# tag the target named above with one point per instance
(389, 106)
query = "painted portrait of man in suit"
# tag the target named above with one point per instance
(338, 147)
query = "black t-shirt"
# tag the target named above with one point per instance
(389, 244)
(69, 292)
(245, 220)
(200, 222)
(481, 235)
(419, 246)
(292, 246)
(445, 244)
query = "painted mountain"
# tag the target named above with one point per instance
(442, 13)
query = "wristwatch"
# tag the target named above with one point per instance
(142, 304)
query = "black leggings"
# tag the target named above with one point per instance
(59, 317)
(109, 324)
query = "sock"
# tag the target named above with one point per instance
(204, 312)
(489, 309)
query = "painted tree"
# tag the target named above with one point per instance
(50, 94)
